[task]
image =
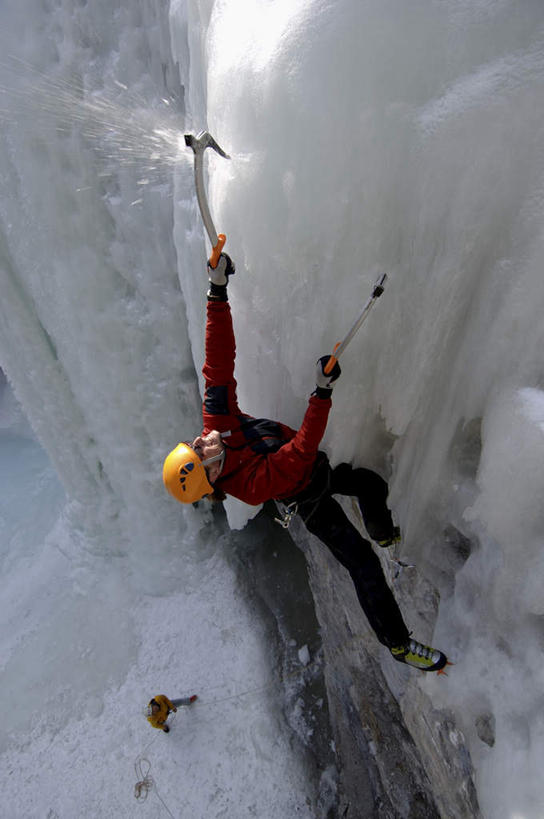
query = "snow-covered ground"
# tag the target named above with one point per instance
(364, 137)
(83, 652)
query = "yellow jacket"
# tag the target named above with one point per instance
(158, 720)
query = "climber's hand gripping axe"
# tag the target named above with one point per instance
(199, 144)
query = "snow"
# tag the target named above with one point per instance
(304, 655)
(365, 137)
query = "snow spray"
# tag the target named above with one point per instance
(123, 128)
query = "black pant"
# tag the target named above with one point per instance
(327, 521)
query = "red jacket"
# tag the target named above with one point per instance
(264, 459)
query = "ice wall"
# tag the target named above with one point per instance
(92, 333)
(406, 138)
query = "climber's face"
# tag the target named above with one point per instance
(208, 446)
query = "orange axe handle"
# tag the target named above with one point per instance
(332, 360)
(216, 251)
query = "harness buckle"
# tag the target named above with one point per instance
(289, 513)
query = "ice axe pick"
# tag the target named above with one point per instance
(199, 144)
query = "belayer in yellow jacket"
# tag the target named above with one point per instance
(160, 707)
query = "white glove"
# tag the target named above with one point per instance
(225, 267)
(323, 380)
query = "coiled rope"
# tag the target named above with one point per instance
(146, 783)
(142, 788)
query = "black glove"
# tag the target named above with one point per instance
(324, 382)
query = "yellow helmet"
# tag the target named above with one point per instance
(184, 475)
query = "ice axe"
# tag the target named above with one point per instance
(199, 144)
(341, 346)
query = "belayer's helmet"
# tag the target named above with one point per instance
(184, 475)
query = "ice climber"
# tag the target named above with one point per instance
(256, 460)
(158, 709)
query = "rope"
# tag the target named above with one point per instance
(272, 684)
(146, 783)
(142, 788)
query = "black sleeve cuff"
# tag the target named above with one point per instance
(322, 392)
(217, 292)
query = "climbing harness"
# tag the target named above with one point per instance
(289, 513)
(306, 502)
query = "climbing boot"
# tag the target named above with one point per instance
(419, 656)
(391, 540)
